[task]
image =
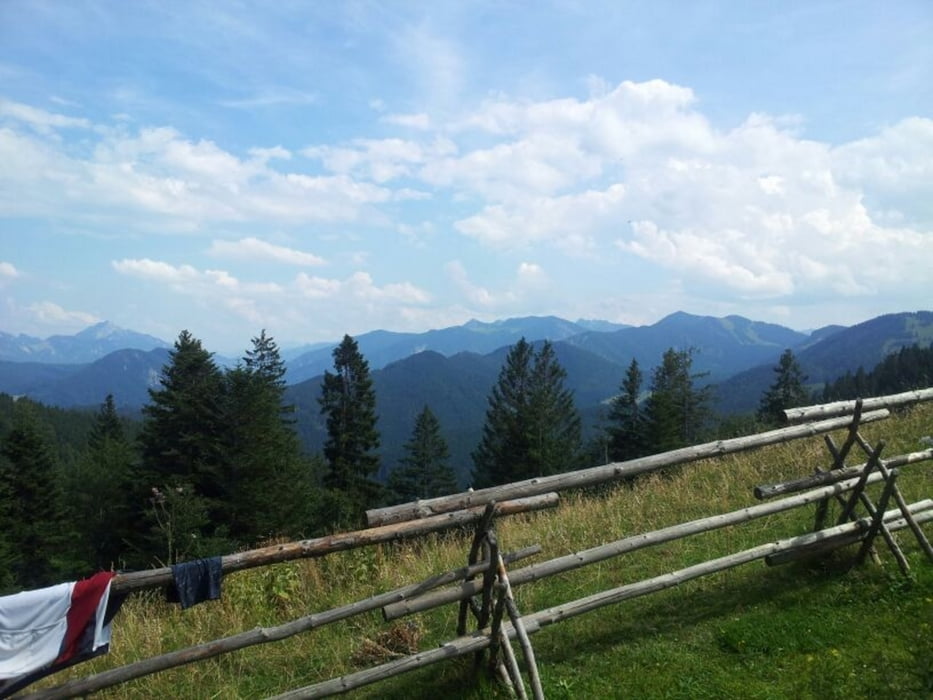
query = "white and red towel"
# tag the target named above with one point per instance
(53, 627)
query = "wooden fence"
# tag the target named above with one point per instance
(482, 589)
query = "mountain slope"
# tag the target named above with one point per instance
(724, 345)
(127, 374)
(383, 347)
(863, 345)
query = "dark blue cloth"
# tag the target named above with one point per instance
(197, 581)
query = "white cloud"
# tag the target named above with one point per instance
(754, 211)
(474, 294)
(360, 286)
(893, 169)
(271, 97)
(38, 119)
(8, 272)
(156, 270)
(567, 222)
(380, 160)
(47, 312)
(420, 120)
(529, 279)
(254, 249)
(186, 184)
(266, 154)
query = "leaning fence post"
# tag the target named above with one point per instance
(878, 520)
(839, 458)
(902, 504)
(873, 461)
(479, 536)
(520, 631)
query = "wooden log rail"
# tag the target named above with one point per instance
(535, 622)
(840, 408)
(608, 472)
(321, 546)
(766, 491)
(576, 560)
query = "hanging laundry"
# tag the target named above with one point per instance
(197, 581)
(45, 630)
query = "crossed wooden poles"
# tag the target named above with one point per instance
(858, 495)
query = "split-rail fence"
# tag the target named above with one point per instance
(482, 589)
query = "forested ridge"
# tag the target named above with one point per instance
(215, 463)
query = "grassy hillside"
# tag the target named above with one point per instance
(805, 630)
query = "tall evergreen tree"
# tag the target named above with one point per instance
(424, 471)
(107, 424)
(100, 494)
(626, 429)
(184, 452)
(555, 424)
(30, 512)
(677, 412)
(787, 390)
(349, 403)
(270, 482)
(532, 427)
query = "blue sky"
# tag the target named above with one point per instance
(321, 168)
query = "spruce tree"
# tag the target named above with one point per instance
(532, 427)
(30, 511)
(100, 494)
(626, 429)
(107, 424)
(555, 424)
(270, 482)
(787, 390)
(349, 403)
(677, 412)
(184, 455)
(424, 471)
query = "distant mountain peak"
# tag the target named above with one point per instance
(91, 344)
(101, 330)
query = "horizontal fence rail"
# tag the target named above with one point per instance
(840, 408)
(608, 472)
(320, 546)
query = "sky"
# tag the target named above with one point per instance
(322, 168)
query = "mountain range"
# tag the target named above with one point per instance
(89, 345)
(452, 370)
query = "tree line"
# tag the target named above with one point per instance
(215, 463)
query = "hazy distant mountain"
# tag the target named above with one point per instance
(24, 377)
(593, 324)
(863, 345)
(90, 344)
(454, 378)
(127, 374)
(383, 347)
(723, 346)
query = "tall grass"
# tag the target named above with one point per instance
(812, 629)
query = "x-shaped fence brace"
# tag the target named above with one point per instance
(859, 496)
(495, 601)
